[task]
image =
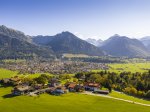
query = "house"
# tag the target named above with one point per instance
(58, 90)
(15, 80)
(79, 88)
(11, 81)
(73, 87)
(54, 82)
(21, 90)
(5, 81)
(91, 86)
(38, 86)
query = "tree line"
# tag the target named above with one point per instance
(136, 84)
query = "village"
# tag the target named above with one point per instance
(53, 67)
(50, 85)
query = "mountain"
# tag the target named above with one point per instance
(124, 46)
(146, 41)
(67, 42)
(42, 40)
(15, 44)
(14, 33)
(95, 42)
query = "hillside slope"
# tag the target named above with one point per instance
(124, 46)
(67, 42)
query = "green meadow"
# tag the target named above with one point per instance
(71, 102)
(128, 97)
(7, 73)
(127, 67)
(130, 67)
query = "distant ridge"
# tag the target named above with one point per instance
(15, 44)
(124, 46)
(67, 42)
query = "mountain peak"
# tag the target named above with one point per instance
(116, 35)
(124, 46)
(67, 42)
(13, 33)
(4, 29)
(66, 33)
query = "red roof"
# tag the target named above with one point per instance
(92, 84)
(72, 85)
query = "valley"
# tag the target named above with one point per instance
(81, 99)
(74, 56)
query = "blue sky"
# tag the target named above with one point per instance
(98, 19)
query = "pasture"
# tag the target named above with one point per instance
(7, 73)
(130, 67)
(128, 97)
(72, 102)
(66, 103)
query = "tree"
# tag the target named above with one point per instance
(43, 79)
(140, 86)
(147, 95)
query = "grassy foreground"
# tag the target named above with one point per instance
(65, 103)
(127, 97)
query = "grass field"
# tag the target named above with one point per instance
(71, 102)
(7, 73)
(4, 73)
(132, 67)
(127, 97)
(65, 103)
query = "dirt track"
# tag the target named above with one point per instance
(106, 96)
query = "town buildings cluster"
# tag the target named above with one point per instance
(53, 87)
(54, 67)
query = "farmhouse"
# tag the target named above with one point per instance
(15, 80)
(11, 81)
(58, 90)
(5, 81)
(54, 82)
(91, 86)
(21, 90)
(79, 88)
(73, 87)
(38, 86)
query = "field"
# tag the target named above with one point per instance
(7, 73)
(72, 102)
(132, 67)
(127, 97)
(66, 103)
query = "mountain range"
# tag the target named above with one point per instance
(15, 44)
(124, 46)
(146, 42)
(67, 42)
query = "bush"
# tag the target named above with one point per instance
(130, 90)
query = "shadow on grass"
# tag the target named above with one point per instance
(8, 96)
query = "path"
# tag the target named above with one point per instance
(106, 96)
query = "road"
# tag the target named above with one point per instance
(106, 96)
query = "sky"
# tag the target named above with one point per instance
(97, 19)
